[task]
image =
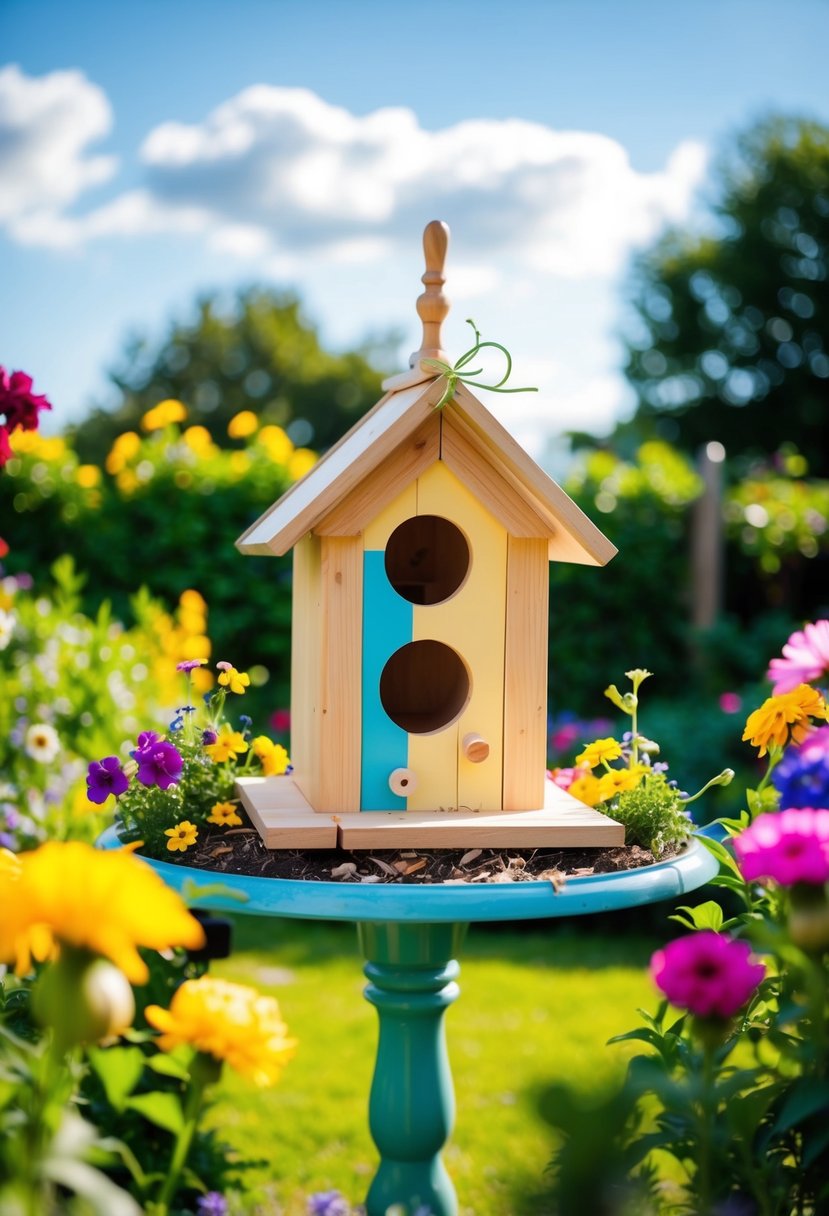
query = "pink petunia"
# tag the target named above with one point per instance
(805, 658)
(789, 847)
(710, 975)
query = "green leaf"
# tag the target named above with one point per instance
(162, 1109)
(168, 1066)
(118, 1069)
(807, 1097)
(704, 916)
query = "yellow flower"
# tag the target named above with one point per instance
(276, 443)
(602, 749)
(106, 902)
(228, 746)
(229, 1022)
(88, 476)
(236, 681)
(302, 461)
(198, 440)
(239, 463)
(9, 863)
(785, 718)
(586, 789)
(618, 780)
(272, 756)
(182, 836)
(164, 414)
(224, 814)
(242, 424)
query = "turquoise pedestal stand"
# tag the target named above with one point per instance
(410, 937)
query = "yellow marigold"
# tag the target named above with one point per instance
(618, 780)
(198, 439)
(9, 863)
(602, 749)
(586, 789)
(272, 756)
(193, 600)
(224, 815)
(276, 443)
(88, 476)
(242, 424)
(164, 414)
(229, 1022)
(182, 836)
(108, 903)
(235, 681)
(302, 461)
(785, 718)
(228, 746)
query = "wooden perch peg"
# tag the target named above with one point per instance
(475, 748)
(432, 305)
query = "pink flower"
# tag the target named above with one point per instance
(17, 401)
(224, 666)
(190, 664)
(731, 702)
(789, 847)
(6, 452)
(806, 658)
(564, 777)
(709, 975)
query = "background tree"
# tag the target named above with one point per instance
(733, 340)
(257, 353)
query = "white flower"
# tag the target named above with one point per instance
(6, 628)
(42, 742)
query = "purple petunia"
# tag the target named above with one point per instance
(105, 777)
(159, 764)
(328, 1203)
(208, 736)
(211, 1204)
(802, 777)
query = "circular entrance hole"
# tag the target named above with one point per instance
(424, 686)
(427, 559)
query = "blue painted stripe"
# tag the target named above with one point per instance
(387, 625)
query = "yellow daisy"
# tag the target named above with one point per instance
(229, 744)
(224, 814)
(784, 719)
(182, 836)
(599, 751)
(272, 756)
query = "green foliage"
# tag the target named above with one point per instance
(730, 342)
(653, 815)
(775, 518)
(257, 352)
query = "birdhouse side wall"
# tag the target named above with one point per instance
(306, 666)
(525, 688)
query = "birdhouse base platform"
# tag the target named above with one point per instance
(285, 820)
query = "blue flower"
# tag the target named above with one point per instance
(328, 1203)
(802, 776)
(211, 1204)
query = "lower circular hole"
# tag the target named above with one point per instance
(424, 686)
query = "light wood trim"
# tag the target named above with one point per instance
(306, 625)
(525, 685)
(357, 510)
(342, 618)
(509, 506)
(432, 305)
(588, 545)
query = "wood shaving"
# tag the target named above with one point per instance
(470, 856)
(347, 870)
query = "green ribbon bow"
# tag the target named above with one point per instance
(455, 374)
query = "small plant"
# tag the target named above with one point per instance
(636, 791)
(173, 787)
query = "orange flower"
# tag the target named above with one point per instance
(785, 718)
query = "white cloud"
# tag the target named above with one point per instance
(280, 172)
(46, 124)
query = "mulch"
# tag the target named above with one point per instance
(241, 851)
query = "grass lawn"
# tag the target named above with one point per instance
(537, 1005)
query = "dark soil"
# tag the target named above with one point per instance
(241, 851)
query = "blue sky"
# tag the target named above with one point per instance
(556, 137)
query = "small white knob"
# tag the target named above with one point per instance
(403, 782)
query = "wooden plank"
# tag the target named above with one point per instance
(471, 622)
(341, 644)
(343, 467)
(282, 815)
(525, 686)
(562, 823)
(306, 672)
(498, 495)
(577, 538)
(376, 491)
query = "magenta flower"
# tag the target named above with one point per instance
(159, 764)
(6, 452)
(789, 847)
(709, 975)
(18, 403)
(806, 658)
(105, 777)
(189, 665)
(146, 740)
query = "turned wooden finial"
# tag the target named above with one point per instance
(432, 305)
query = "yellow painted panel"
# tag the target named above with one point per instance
(472, 622)
(377, 533)
(434, 761)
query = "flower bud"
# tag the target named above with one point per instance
(83, 999)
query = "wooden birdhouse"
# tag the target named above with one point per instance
(420, 617)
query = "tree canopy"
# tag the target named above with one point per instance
(733, 334)
(257, 353)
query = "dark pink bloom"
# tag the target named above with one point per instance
(806, 658)
(105, 777)
(789, 847)
(731, 703)
(709, 975)
(18, 403)
(6, 452)
(281, 721)
(159, 764)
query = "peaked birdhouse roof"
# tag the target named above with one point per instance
(406, 432)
